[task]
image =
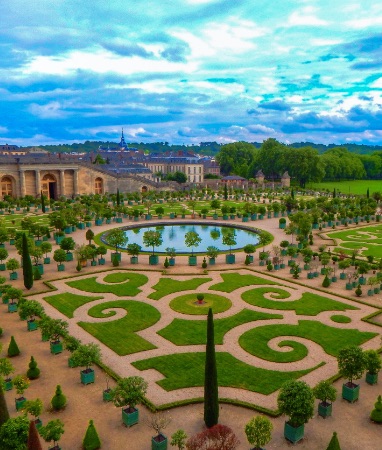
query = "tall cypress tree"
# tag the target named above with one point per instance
(42, 203)
(118, 198)
(27, 265)
(225, 191)
(211, 395)
(4, 414)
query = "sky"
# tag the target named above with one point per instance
(190, 71)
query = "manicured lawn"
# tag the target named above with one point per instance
(233, 281)
(166, 286)
(194, 332)
(331, 339)
(129, 288)
(340, 318)
(369, 239)
(187, 370)
(188, 304)
(119, 335)
(67, 303)
(119, 277)
(309, 304)
(358, 187)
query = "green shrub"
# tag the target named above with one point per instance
(13, 349)
(59, 399)
(376, 414)
(33, 372)
(91, 440)
(36, 274)
(247, 261)
(358, 291)
(115, 261)
(166, 263)
(334, 444)
(326, 282)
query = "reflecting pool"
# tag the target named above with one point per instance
(173, 236)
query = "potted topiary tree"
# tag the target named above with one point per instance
(212, 253)
(296, 400)
(376, 414)
(179, 439)
(259, 431)
(229, 239)
(373, 366)
(33, 372)
(30, 310)
(21, 384)
(6, 368)
(34, 408)
(46, 247)
(53, 431)
(129, 392)
(59, 256)
(58, 401)
(101, 252)
(133, 250)
(152, 239)
(54, 330)
(3, 256)
(85, 356)
(171, 252)
(249, 249)
(68, 245)
(326, 393)
(351, 363)
(117, 238)
(12, 265)
(192, 239)
(12, 297)
(158, 422)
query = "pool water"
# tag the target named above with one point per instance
(173, 236)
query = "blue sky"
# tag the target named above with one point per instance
(186, 71)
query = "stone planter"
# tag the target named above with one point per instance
(87, 376)
(32, 325)
(56, 347)
(153, 260)
(159, 442)
(130, 418)
(371, 378)
(324, 409)
(350, 393)
(293, 434)
(230, 259)
(192, 260)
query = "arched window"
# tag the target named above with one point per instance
(144, 189)
(6, 186)
(98, 186)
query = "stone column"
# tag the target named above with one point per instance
(38, 182)
(22, 183)
(62, 182)
(75, 182)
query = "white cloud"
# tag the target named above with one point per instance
(306, 17)
(47, 111)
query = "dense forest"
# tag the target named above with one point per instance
(303, 163)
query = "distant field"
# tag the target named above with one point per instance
(358, 187)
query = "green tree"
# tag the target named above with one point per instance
(325, 391)
(373, 361)
(334, 443)
(269, 159)
(152, 239)
(43, 209)
(12, 265)
(296, 400)
(89, 236)
(91, 440)
(129, 392)
(52, 431)
(192, 239)
(59, 399)
(236, 158)
(304, 164)
(229, 238)
(13, 349)
(376, 414)
(351, 363)
(14, 433)
(33, 407)
(86, 355)
(4, 413)
(33, 372)
(211, 395)
(259, 431)
(179, 439)
(117, 238)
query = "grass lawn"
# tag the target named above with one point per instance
(185, 370)
(194, 332)
(129, 288)
(67, 303)
(119, 335)
(368, 238)
(340, 319)
(166, 286)
(331, 339)
(358, 187)
(188, 304)
(308, 305)
(119, 277)
(233, 281)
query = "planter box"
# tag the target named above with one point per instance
(81, 226)
(230, 259)
(211, 261)
(69, 256)
(262, 263)
(130, 418)
(11, 242)
(37, 243)
(153, 260)
(134, 259)
(334, 279)
(20, 402)
(47, 260)
(350, 394)
(40, 268)
(61, 267)
(370, 292)
(106, 395)
(192, 260)
(13, 276)
(56, 347)
(171, 261)
(119, 220)
(68, 230)
(371, 378)
(293, 434)
(59, 239)
(108, 221)
(32, 325)
(8, 384)
(87, 376)
(159, 442)
(38, 423)
(324, 409)
(244, 219)
(117, 255)
(362, 280)
(282, 226)
(101, 261)
(349, 286)
(376, 290)
(93, 263)
(88, 224)
(12, 307)
(342, 276)
(98, 222)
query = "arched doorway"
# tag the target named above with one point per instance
(6, 186)
(49, 186)
(144, 189)
(98, 186)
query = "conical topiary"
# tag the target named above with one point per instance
(33, 372)
(326, 282)
(13, 349)
(59, 399)
(33, 437)
(4, 414)
(376, 414)
(91, 440)
(334, 444)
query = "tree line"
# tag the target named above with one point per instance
(305, 164)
